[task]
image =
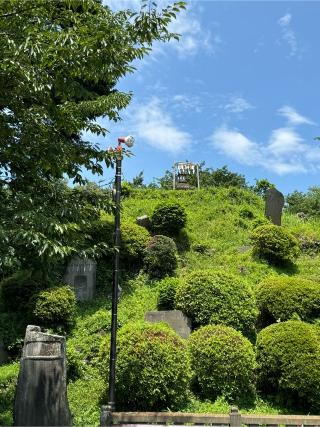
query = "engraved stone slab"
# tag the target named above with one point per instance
(274, 205)
(81, 276)
(175, 318)
(41, 394)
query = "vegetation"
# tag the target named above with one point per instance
(168, 219)
(216, 239)
(167, 293)
(71, 58)
(275, 244)
(55, 308)
(8, 381)
(285, 297)
(288, 356)
(217, 297)
(223, 362)
(160, 258)
(153, 368)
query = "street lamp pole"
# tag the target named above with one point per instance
(129, 140)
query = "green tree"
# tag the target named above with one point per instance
(261, 186)
(60, 62)
(137, 181)
(209, 177)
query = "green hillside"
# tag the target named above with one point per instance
(216, 238)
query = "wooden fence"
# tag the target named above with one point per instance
(233, 419)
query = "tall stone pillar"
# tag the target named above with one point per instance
(41, 394)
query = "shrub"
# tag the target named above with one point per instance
(284, 297)
(8, 381)
(246, 212)
(160, 258)
(153, 367)
(168, 218)
(217, 297)
(288, 357)
(134, 238)
(167, 292)
(55, 308)
(17, 290)
(223, 362)
(275, 244)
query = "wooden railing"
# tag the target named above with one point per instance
(233, 419)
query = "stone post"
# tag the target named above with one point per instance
(41, 394)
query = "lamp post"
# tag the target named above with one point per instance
(128, 141)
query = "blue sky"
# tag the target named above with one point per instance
(241, 88)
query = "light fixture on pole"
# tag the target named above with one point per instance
(128, 141)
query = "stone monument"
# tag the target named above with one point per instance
(41, 394)
(175, 318)
(144, 221)
(274, 205)
(81, 276)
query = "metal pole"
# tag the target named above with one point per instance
(115, 286)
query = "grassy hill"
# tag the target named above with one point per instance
(217, 235)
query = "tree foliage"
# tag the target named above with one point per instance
(60, 62)
(209, 177)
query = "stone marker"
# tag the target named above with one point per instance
(274, 205)
(144, 221)
(4, 357)
(41, 394)
(81, 276)
(175, 318)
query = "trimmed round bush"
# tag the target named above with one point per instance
(153, 368)
(288, 357)
(55, 308)
(275, 244)
(168, 218)
(134, 238)
(281, 298)
(217, 297)
(160, 257)
(223, 362)
(167, 289)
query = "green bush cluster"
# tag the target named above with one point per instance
(55, 308)
(153, 368)
(288, 357)
(275, 244)
(167, 289)
(160, 257)
(8, 381)
(168, 218)
(134, 238)
(217, 297)
(281, 298)
(223, 362)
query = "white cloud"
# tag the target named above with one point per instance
(151, 123)
(285, 141)
(235, 145)
(284, 153)
(293, 117)
(194, 38)
(288, 35)
(237, 104)
(187, 103)
(285, 20)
